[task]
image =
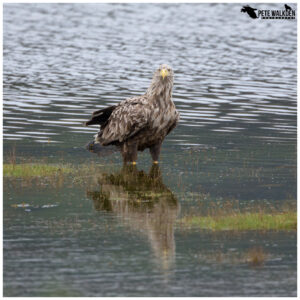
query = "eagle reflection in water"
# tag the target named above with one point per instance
(144, 203)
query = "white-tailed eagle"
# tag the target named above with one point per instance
(140, 122)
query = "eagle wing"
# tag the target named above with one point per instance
(100, 116)
(127, 119)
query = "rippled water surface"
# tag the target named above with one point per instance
(235, 88)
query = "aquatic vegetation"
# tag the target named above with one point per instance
(45, 169)
(256, 257)
(43, 174)
(244, 221)
(35, 170)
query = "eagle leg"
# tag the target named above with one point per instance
(129, 152)
(155, 151)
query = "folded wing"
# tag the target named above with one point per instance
(100, 116)
(126, 120)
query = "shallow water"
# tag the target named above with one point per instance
(235, 88)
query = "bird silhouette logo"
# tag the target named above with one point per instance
(287, 7)
(250, 11)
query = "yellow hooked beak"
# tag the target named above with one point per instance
(164, 73)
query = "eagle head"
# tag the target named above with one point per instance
(162, 81)
(164, 72)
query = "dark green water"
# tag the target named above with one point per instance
(116, 233)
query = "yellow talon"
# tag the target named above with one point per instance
(155, 162)
(134, 162)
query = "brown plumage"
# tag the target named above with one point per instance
(140, 122)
